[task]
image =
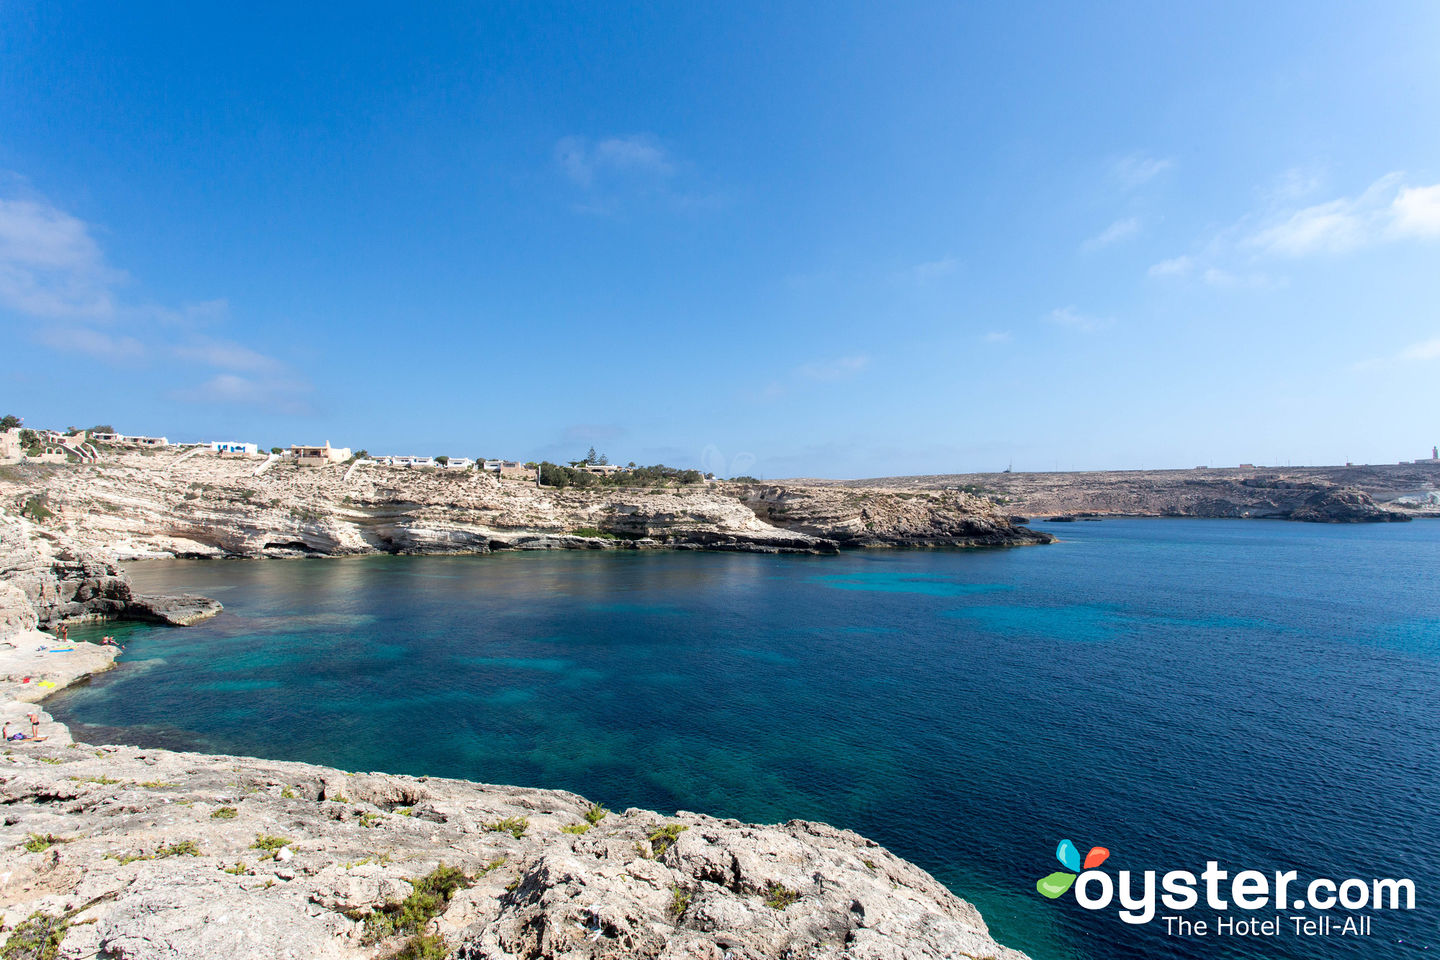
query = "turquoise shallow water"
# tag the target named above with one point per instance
(1265, 694)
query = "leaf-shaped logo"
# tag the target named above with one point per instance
(1055, 884)
(1069, 856)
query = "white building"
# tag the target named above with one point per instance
(10, 448)
(319, 456)
(232, 446)
(460, 463)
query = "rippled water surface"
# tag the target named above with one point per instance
(1264, 694)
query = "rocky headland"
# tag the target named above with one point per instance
(1350, 494)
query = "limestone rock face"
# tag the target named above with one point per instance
(59, 580)
(1349, 494)
(132, 506)
(153, 855)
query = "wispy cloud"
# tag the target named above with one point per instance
(53, 269)
(1072, 319)
(1114, 233)
(584, 160)
(1423, 351)
(838, 368)
(1174, 267)
(1387, 210)
(997, 336)
(933, 269)
(50, 264)
(819, 371)
(1245, 254)
(1137, 169)
(277, 394)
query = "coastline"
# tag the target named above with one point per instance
(147, 853)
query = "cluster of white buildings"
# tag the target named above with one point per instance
(58, 447)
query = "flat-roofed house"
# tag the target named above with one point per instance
(10, 448)
(232, 446)
(460, 463)
(319, 456)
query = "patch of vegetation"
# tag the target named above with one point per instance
(554, 475)
(778, 896)
(404, 811)
(239, 870)
(576, 827)
(224, 813)
(37, 509)
(869, 863)
(679, 902)
(515, 826)
(37, 842)
(287, 794)
(368, 819)
(155, 784)
(101, 780)
(428, 899)
(51, 760)
(185, 848)
(664, 838)
(36, 938)
(595, 814)
(268, 843)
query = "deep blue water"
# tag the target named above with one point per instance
(1261, 693)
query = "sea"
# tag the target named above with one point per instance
(1261, 694)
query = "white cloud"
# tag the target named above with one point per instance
(1139, 168)
(1174, 267)
(997, 336)
(52, 269)
(278, 394)
(827, 370)
(1114, 233)
(1072, 319)
(226, 355)
(585, 161)
(50, 265)
(934, 269)
(1386, 210)
(1424, 350)
(839, 368)
(1417, 211)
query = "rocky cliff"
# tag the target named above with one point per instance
(142, 505)
(1367, 494)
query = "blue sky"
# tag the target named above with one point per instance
(842, 240)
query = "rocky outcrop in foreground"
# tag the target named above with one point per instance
(54, 580)
(152, 855)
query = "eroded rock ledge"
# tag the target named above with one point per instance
(132, 506)
(154, 855)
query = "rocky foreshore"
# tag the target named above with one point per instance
(144, 854)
